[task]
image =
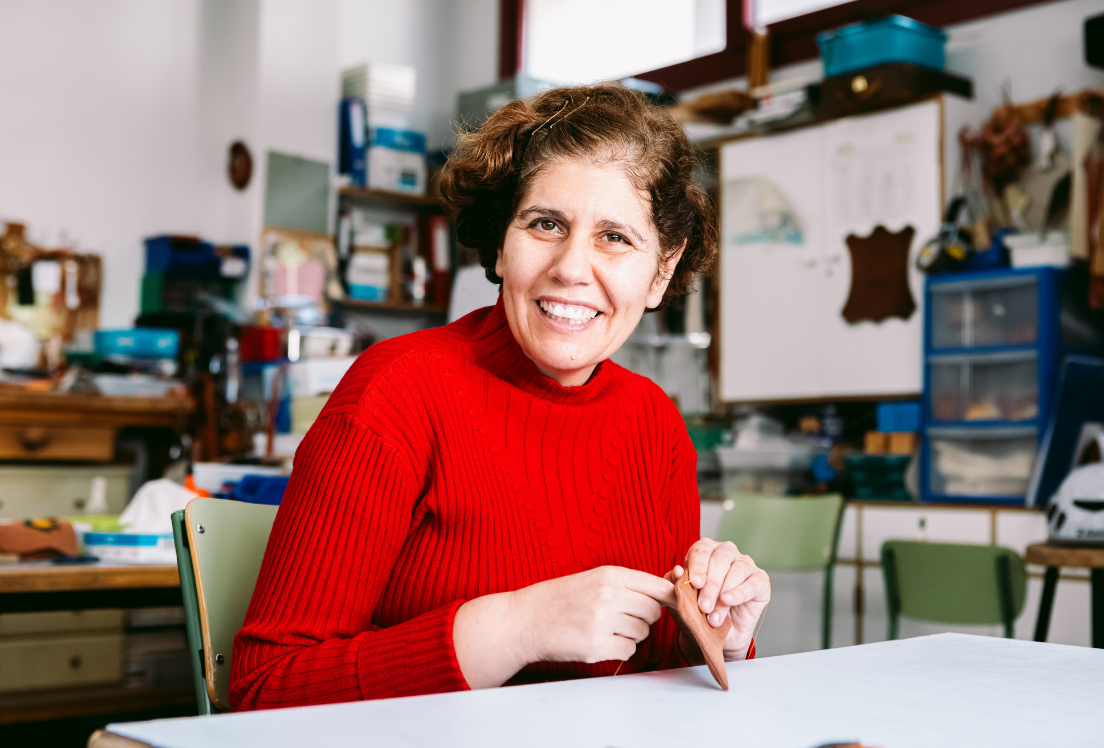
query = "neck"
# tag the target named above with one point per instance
(572, 378)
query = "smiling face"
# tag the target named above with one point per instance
(579, 264)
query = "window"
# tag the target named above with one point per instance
(678, 42)
(582, 41)
(766, 12)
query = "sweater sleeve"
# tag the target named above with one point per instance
(684, 522)
(308, 636)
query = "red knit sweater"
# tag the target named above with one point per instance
(445, 467)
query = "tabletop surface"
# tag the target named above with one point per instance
(946, 690)
(37, 577)
(1073, 556)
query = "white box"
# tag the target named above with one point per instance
(1027, 250)
(396, 171)
(131, 547)
(319, 376)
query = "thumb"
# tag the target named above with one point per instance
(674, 574)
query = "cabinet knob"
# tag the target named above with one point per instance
(75, 662)
(34, 439)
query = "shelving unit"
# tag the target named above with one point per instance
(993, 343)
(391, 199)
(420, 206)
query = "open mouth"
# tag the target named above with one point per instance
(567, 314)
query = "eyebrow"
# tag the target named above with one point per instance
(605, 224)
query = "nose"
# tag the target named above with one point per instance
(571, 266)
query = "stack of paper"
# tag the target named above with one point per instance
(387, 91)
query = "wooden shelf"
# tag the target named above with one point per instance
(394, 306)
(392, 199)
(36, 578)
(37, 706)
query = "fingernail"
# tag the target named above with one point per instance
(726, 599)
(704, 603)
(715, 619)
(694, 580)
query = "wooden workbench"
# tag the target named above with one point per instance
(41, 587)
(59, 426)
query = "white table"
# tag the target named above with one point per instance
(940, 691)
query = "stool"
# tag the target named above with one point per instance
(1075, 557)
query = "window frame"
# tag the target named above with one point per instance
(792, 40)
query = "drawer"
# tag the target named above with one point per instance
(981, 462)
(993, 387)
(38, 491)
(60, 621)
(34, 662)
(1000, 311)
(56, 443)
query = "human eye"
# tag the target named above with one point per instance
(547, 225)
(615, 238)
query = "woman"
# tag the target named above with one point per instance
(494, 501)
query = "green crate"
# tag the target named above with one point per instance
(164, 293)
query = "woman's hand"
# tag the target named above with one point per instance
(596, 615)
(729, 584)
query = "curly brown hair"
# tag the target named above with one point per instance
(489, 172)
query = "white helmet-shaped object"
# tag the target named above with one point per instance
(1076, 513)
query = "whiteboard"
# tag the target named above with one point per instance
(782, 335)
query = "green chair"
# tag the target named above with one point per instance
(981, 585)
(219, 548)
(788, 534)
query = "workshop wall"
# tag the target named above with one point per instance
(120, 112)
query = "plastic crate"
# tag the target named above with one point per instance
(898, 417)
(139, 342)
(869, 43)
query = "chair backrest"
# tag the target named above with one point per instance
(784, 533)
(227, 540)
(953, 583)
(191, 610)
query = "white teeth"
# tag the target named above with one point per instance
(569, 312)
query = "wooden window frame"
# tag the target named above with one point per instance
(792, 40)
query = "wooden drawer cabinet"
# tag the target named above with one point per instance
(28, 491)
(57, 661)
(62, 621)
(56, 443)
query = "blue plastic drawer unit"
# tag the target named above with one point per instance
(993, 344)
(894, 39)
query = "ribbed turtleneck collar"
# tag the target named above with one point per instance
(495, 350)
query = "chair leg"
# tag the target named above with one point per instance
(827, 608)
(1046, 604)
(893, 602)
(1004, 589)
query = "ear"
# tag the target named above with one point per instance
(499, 264)
(663, 277)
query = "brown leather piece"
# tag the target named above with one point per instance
(31, 543)
(709, 639)
(879, 276)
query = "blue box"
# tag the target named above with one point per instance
(894, 39)
(139, 342)
(194, 258)
(353, 145)
(897, 417)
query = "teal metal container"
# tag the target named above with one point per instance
(893, 39)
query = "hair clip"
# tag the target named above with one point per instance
(571, 112)
(552, 117)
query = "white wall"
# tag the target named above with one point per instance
(118, 113)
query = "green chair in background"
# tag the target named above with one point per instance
(219, 548)
(784, 533)
(953, 583)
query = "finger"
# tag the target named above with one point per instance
(742, 568)
(697, 561)
(722, 558)
(657, 588)
(674, 574)
(755, 588)
(631, 627)
(640, 606)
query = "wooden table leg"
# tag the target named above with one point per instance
(1098, 608)
(1046, 604)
